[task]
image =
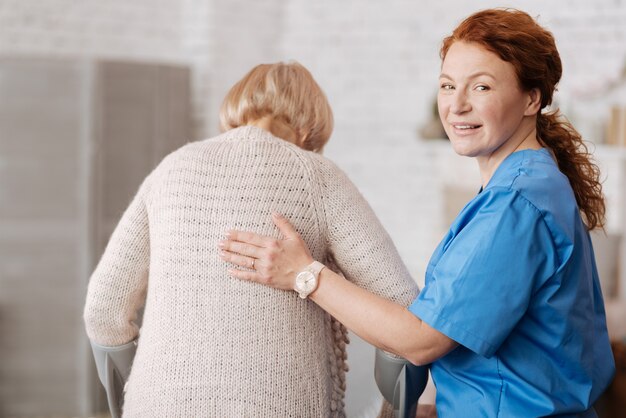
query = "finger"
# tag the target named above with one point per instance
(249, 238)
(237, 259)
(250, 276)
(240, 248)
(284, 226)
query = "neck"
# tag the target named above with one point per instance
(488, 164)
(264, 123)
(276, 128)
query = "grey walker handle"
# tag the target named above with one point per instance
(400, 382)
(114, 364)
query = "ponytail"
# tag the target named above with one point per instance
(575, 161)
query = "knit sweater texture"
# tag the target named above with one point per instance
(214, 346)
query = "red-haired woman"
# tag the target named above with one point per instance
(511, 315)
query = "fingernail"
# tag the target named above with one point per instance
(277, 215)
(221, 244)
(228, 234)
(221, 253)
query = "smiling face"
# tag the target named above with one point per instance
(482, 107)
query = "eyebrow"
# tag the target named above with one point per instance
(473, 75)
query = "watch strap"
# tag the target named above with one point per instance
(316, 268)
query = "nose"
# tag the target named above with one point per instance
(459, 102)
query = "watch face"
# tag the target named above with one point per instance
(305, 282)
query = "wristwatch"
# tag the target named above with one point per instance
(306, 280)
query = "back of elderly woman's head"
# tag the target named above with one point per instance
(286, 95)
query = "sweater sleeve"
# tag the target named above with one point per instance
(360, 246)
(117, 287)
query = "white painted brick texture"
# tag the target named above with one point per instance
(377, 61)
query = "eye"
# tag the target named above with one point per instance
(482, 87)
(446, 86)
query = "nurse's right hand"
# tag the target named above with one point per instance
(269, 261)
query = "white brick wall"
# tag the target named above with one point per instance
(146, 29)
(377, 61)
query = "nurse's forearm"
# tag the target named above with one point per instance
(380, 322)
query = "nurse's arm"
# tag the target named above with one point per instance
(380, 322)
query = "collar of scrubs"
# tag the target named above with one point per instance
(514, 159)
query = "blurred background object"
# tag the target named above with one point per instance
(78, 137)
(93, 94)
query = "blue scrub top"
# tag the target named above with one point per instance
(514, 282)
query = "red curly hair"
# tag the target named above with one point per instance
(517, 39)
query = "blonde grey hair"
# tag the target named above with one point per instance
(288, 94)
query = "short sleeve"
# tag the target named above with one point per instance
(481, 278)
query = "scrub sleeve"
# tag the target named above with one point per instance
(480, 279)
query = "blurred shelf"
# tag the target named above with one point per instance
(604, 151)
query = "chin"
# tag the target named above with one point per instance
(461, 149)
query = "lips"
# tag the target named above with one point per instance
(465, 126)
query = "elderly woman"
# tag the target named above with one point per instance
(213, 347)
(511, 315)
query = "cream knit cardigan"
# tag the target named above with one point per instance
(214, 346)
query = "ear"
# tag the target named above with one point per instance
(534, 102)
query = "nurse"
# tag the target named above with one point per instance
(511, 316)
